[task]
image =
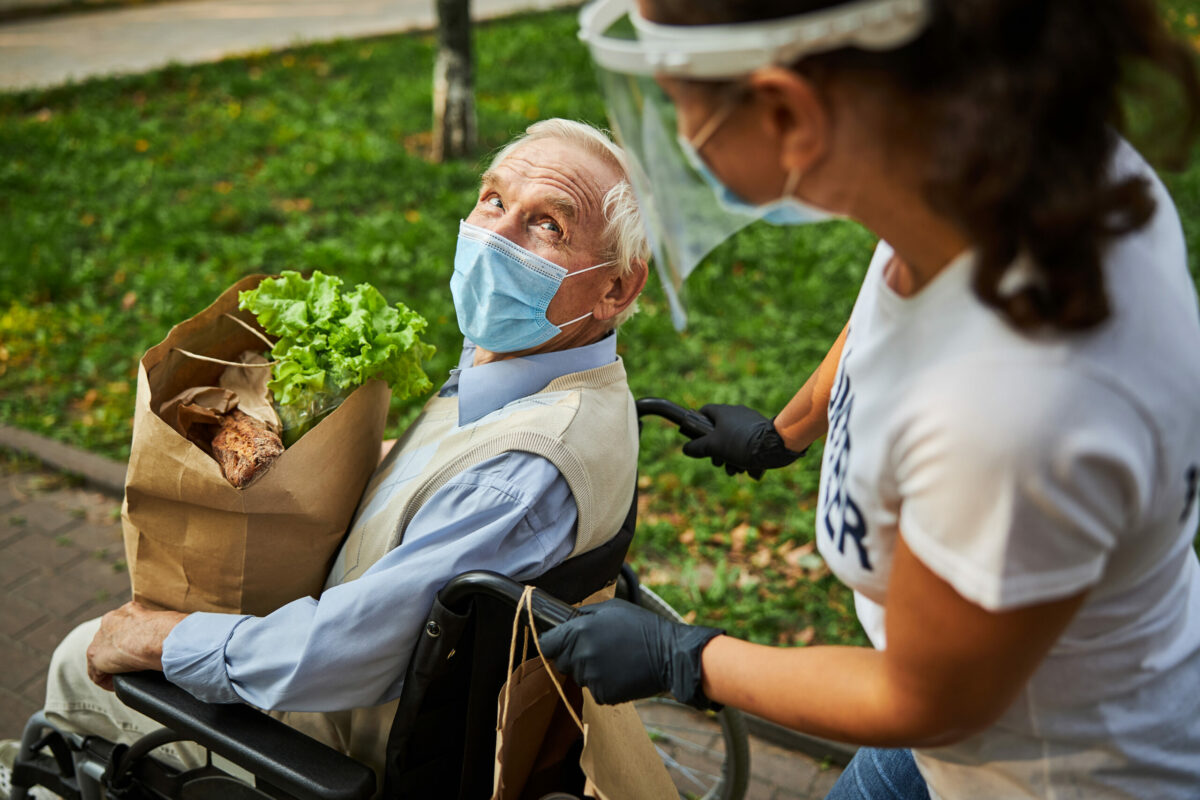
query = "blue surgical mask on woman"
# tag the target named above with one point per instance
(786, 210)
(501, 291)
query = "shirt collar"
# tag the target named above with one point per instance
(489, 387)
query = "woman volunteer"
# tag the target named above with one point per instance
(1013, 411)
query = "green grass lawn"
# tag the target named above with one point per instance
(127, 205)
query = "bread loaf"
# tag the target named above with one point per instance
(245, 447)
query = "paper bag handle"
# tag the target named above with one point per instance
(526, 602)
(212, 360)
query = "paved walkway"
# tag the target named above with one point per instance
(61, 562)
(47, 52)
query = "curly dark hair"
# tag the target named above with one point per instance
(1022, 102)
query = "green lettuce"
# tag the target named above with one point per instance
(331, 342)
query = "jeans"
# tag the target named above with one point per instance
(875, 774)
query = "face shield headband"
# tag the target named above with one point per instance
(737, 49)
(684, 218)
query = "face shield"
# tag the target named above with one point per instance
(684, 216)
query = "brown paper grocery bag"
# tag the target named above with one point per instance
(618, 759)
(195, 543)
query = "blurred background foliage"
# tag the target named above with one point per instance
(129, 204)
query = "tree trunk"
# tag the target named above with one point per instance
(453, 93)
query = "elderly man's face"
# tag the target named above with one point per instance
(547, 196)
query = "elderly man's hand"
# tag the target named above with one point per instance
(130, 639)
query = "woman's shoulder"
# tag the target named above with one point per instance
(1028, 409)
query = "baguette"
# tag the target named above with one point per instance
(245, 448)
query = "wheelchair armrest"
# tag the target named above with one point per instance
(278, 755)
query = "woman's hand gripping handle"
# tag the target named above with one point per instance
(622, 652)
(742, 440)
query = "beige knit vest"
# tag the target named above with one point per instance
(584, 423)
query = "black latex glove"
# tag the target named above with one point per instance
(744, 441)
(622, 652)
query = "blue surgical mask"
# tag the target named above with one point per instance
(501, 291)
(784, 211)
(787, 210)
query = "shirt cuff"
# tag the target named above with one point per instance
(194, 656)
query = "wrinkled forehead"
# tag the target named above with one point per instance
(555, 171)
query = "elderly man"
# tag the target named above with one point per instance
(526, 456)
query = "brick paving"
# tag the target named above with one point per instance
(61, 562)
(693, 749)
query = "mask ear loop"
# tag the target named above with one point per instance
(718, 119)
(562, 325)
(793, 180)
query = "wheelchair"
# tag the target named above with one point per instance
(442, 740)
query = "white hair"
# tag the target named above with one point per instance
(624, 234)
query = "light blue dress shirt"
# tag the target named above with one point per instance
(513, 514)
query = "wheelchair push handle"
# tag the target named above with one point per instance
(692, 424)
(548, 611)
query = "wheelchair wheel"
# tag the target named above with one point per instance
(706, 753)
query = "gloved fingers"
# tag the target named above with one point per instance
(554, 642)
(697, 448)
(756, 474)
(714, 411)
(724, 414)
(599, 649)
(733, 469)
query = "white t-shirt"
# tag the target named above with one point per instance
(1024, 470)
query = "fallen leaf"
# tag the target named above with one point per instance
(141, 145)
(687, 537)
(794, 555)
(804, 636)
(747, 580)
(656, 576)
(300, 204)
(412, 215)
(738, 536)
(88, 400)
(128, 301)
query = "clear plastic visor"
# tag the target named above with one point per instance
(682, 215)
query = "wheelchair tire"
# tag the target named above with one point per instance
(703, 764)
